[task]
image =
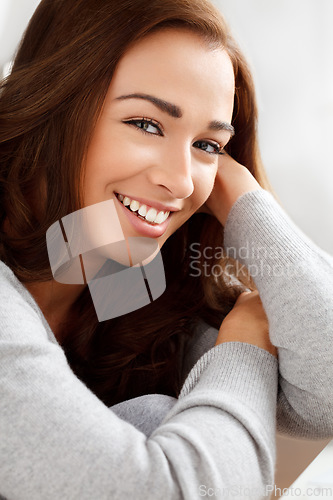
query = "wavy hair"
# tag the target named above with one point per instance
(49, 105)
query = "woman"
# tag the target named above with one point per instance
(136, 102)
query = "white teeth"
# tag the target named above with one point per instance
(143, 210)
(134, 206)
(161, 217)
(166, 215)
(152, 213)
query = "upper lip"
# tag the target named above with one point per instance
(154, 204)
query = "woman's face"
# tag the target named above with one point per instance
(154, 150)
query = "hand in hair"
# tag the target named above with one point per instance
(232, 181)
(247, 322)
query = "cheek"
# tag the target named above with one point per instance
(116, 159)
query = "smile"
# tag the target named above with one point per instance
(144, 212)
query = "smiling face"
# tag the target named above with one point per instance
(155, 146)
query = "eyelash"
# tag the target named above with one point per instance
(149, 121)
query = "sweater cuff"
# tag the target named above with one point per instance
(240, 370)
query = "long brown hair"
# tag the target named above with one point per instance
(49, 106)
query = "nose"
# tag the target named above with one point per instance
(173, 171)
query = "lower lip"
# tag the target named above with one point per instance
(143, 227)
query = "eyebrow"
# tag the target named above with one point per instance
(175, 111)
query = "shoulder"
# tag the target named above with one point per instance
(12, 291)
(18, 309)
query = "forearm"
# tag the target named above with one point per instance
(61, 441)
(295, 283)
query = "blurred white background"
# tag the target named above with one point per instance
(289, 44)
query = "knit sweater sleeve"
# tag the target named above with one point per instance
(58, 440)
(295, 282)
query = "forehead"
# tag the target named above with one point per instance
(178, 65)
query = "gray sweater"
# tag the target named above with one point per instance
(217, 440)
